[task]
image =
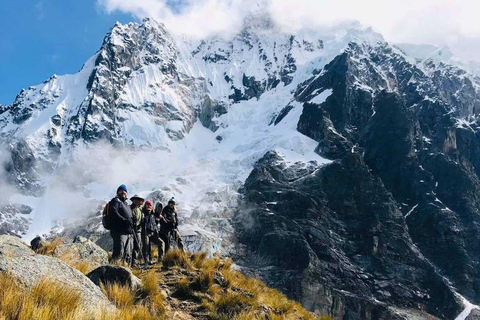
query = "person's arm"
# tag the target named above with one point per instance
(163, 220)
(115, 212)
(176, 219)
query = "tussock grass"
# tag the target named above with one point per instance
(51, 247)
(121, 295)
(83, 267)
(153, 298)
(203, 281)
(177, 258)
(227, 293)
(138, 313)
(228, 306)
(147, 303)
(183, 288)
(46, 300)
(211, 283)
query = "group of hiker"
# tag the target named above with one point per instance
(138, 226)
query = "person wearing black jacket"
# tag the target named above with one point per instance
(122, 226)
(150, 234)
(169, 225)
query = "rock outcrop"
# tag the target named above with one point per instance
(82, 250)
(29, 268)
(334, 238)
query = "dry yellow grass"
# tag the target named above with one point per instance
(121, 295)
(204, 280)
(223, 292)
(152, 297)
(46, 300)
(138, 313)
(231, 295)
(183, 288)
(49, 300)
(51, 247)
(227, 306)
(82, 266)
(145, 304)
(177, 258)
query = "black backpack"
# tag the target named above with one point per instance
(106, 218)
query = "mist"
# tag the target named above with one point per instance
(437, 22)
(89, 178)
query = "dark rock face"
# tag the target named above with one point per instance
(398, 208)
(418, 142)
(209, 111)
(339, 231)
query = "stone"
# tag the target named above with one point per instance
(29, 268)
(83, 250)
(109, 274)
(37, 243)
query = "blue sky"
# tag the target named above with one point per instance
(41, 37)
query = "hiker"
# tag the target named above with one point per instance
(137, 218)
(158, 213)
(121, 226)
(169, 225)
(150, 234)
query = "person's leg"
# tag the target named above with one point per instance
(179, 240)
(134, 252)
(165, 239)
(117, 250)
(138, 246)
(149, 249)
(127, 244)
(145, 248)
(161, 246)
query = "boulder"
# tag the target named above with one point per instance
(109, 274)
(82, 250)
(37, 243)
(29, 268)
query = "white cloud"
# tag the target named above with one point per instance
(440, 22)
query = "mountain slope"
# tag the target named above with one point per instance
(341, 169)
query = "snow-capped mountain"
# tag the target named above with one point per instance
(340, 168)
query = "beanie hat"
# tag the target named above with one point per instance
(122, 187)
(172, 200)
(149, 203)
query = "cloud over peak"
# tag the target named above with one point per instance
(439, 22)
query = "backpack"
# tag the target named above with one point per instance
(106, 218)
